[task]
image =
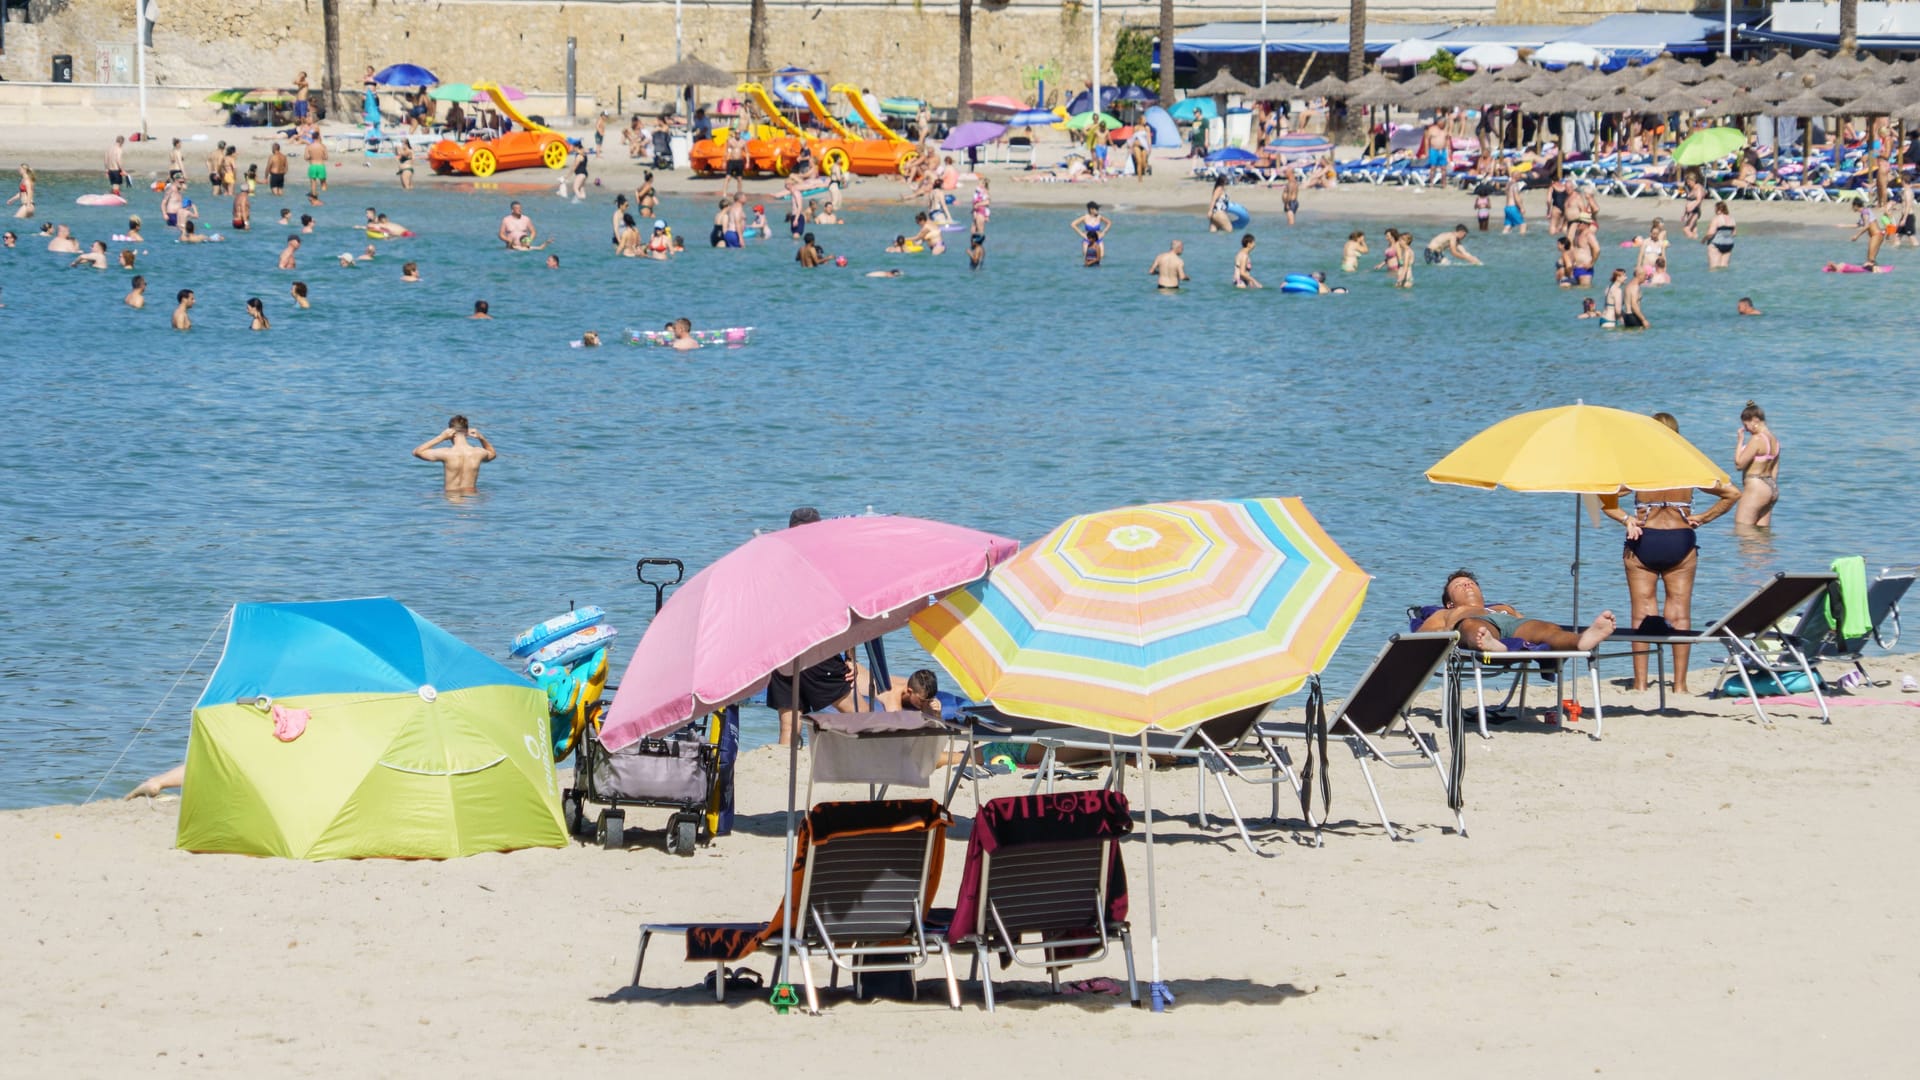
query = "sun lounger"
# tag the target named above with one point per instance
(1377, 710)
(1520, 660)
(1818, 639)
(1750, 635)
(1044, 887)
(863, 877)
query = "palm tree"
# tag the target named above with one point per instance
(330, 89)
(1166, 53)
(1356, 52)
(757, 39)
(1849, 28)
(965, 87)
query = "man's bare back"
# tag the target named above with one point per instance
(460, 460)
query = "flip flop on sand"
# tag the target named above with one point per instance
(1101, 985)
(740, 978)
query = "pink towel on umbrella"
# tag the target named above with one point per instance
(289, 723)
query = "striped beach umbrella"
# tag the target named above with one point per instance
(1159, 616)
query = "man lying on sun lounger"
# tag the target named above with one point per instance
(1481, 627)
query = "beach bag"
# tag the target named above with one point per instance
(1768, 684)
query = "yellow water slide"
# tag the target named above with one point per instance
(507, 110)
(757, 94)
(820, 114)
(867, 115)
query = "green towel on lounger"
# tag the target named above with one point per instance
(1852, 621)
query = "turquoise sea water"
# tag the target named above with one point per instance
(153, 478)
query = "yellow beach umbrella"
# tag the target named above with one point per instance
(1580, 449)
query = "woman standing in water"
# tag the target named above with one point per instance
(1719, 238)
(1758, 459)
(1662, 554)
(25, 195)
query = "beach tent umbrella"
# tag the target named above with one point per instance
(1687, 73)
(1712, 144)
(405, 75)
(998, 104)
(775, 606)
(1109, 98)
(1154, 617)
(1488, 57)
(1081, 121)
(1579, 449)
(352, 729)
(973, 133)
(1777, 90)
(1231, 155)
(263, 95)
(1739, 103)
(1569, 53)
(1678, 99)
(1221, 83)
(690, 71)
(1409, 53)
(1876, 101)
(1194, 108)
(1712, 90)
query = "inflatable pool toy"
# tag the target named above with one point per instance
(101, 200)
(1238, 215)
(377, 234)
(913, 247)
(732, 335)
(540, 635)
(1849, 268)
(1300, 283)
(124, 238)
(573, 647)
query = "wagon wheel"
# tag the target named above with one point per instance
(481, 162)
(554, 154)
(907, 159)
(836, 158)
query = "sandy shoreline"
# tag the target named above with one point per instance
(1171, 187)
(1696, 894)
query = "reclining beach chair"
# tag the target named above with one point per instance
(862, 879)
(1520, 660)
(1044, 886)
(1819, 639)
(1377, 710)
(1750, 634)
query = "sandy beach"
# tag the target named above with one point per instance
(1695, 894)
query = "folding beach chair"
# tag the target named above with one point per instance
(1520, 660)
(1044, 886)
(862, 880)
(1751, 635)
(1819, 639)
(1378, 709)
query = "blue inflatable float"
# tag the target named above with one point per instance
(1238, 215)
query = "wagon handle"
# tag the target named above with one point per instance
(660, 585)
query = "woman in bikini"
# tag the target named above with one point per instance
(1661, 555)
(1758, 460)
(1719, 238)
(403, 160)
(1351, 251)
(25, 195)
(1696, 196)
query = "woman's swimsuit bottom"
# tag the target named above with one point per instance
(1722, 239)
(1660, 550)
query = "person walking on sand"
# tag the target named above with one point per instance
(1168, 268)
(1243, 266)
(1758, 460)
(183, 302)
(460, 460)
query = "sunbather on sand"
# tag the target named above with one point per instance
(1482, 626)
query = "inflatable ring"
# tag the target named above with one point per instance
(907, 159)
(481, 162)
(836, 158)
(554, 154)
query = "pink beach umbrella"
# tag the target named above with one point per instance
(998, 103)
(785, 601)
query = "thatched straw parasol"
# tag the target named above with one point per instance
(691, 71)
(1519, 72)
(1221, 83)
(1804, 104)
(1837, 89)
(1738, 103)
(1686, 73)
(1327, 86)
(1878, 101)
(1417, 89)
(1277, 90)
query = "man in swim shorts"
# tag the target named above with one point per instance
(316, 169)
(736, 162)
(1584, 253)
(1437, 144)
(277, 171)
(460, 460)
(1447, 248)
(1515, 216)
(517, 229)
(1482, 625)
(300, 107)
(1168, 268)
(116, 169)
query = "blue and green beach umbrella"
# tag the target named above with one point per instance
(358, 729)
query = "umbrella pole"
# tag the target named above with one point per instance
(1157, 995)
(1576, 561)
(783, 986)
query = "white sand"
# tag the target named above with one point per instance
(1694, 895)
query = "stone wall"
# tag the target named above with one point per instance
(889, 46)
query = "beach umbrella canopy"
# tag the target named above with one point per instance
(1805, 104)
(1488, 57)
(405, 75)
(1194, 108)
(267, 95)
(357, 729)
(1678, 99)
(1739, 103)
(1277, 90)
(1563, 53)
(1158, 616)
(1231, 155)
(1840, 89)
(1878, 101)
(998, 104)
(1687, 73)
(1033, 118)
(1139, 94)
(690, 71)
(229, 96)
(973, 133)
(1081, 121)
(511, 93)
(1222, 83)
(1301, 145)
(901, 106)
(1409, 52)
(1109, 97)
(1712, 144)
(453, 92)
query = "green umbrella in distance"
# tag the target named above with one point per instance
(453, 92)
(1712, 144)
(230, 96)
(1080, 121)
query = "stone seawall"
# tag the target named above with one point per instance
(904, 48)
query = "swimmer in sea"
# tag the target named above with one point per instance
(809, 255)
(299, 292)
(95, 256)
(481, 311)
(367, 255)
(257, 314)
(590, 340)
(410, 273)
(287, 261)
(976, 250)
(126, 259)
(517, 230)
(1351, 251)
(1448, 246)
(8, 239)
(1587, 310)
(1168, 268)
(1745, 307)
(183, 303)
(1243, 265)
(460, 460)
(137, 297)
(683, 340)
(1092, 227)
(883, 273)
(898, 247)
(553, 262)
(929, 236)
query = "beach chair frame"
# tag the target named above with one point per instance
(1520, 664)
(1045, 889)
(1820, 640)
